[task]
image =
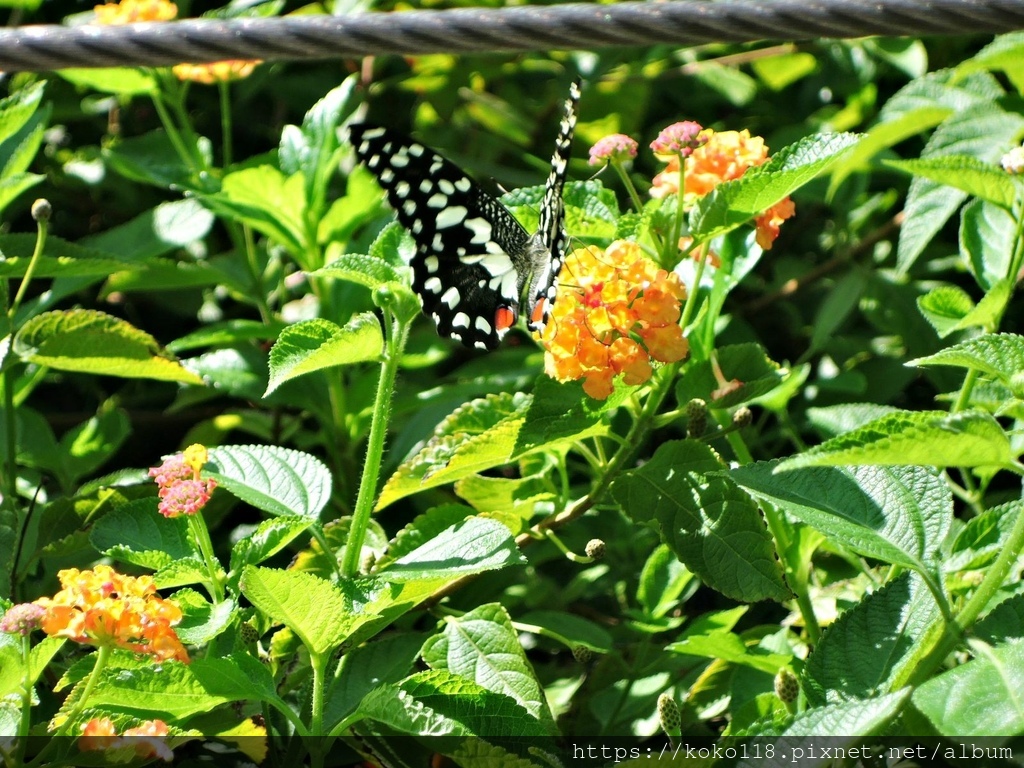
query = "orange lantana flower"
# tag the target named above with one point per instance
(217, 71)
(104, 608)
(147, 740)
(725, 156)
(131, 11)
(615, 312)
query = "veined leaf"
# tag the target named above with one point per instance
(364, 270)
(928, 438)
(999, 355)
(280, 481)
(88, 341)
(316, 344)
(968, 174)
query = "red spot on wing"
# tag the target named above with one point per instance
(538, 311)
(504, 318)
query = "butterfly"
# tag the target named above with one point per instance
(474, 262)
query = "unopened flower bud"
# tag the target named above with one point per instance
(42, 210)
(742, 417)
(22, 619)
(787, 688)
(595, 549)
(668, 713)
(582, 654)
(696, 418)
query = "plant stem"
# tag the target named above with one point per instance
(26, 700)
(227, 148)
(395, 344)
(197, 526)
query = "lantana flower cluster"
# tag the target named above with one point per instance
(720, 156)
(614, 314)
(132, 11)
(104, 608)
(181, 490)
(146, 741)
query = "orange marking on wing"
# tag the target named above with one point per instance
(538, 311)
(504, 318)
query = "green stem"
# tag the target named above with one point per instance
(399, 332)
(174, 135)
(691, 296)
(318, 661)
(42, 228)
(964, 396)
(197, 526)
(227, 149)
(102, 657)
(26, 700)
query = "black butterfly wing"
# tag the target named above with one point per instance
(471, 259)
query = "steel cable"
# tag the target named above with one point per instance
(577, 26)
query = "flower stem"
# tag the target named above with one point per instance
(395, 344)
(102, 656)
(26, 700)
(197, 526)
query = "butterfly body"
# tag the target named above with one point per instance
(474, 262)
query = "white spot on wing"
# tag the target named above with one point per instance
(482, 325)
(437, 200)
(451, 297)
(402, 189)
(481, 229)
(432, 284)
(446, 186)
(463, 184)
(399, 159)
(461, 320)
(373, 133)
(449, 217)
(431, 263)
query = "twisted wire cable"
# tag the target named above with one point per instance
(582, 26)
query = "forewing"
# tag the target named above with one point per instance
(469, 265)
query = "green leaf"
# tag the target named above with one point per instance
(93, 342)
(179, 573)
(17, 109)
(998, 355)
(984, 181)
(933, 438)
(731, 204)
(979, 698)
(59, 258)
(314, 345)
(156, 232)
(314, 609)
(13, 186)
(711, 524)
(561, 414)
(269, 538)
(662, 581)
(362, 270)
(87, 446)
(945, 308)
(899, 515)
(136, 533)
(981, 131)
(362, 669)
(470, 546)
(748, 371)
(269, 202)
(729, 647)
(437, 703)
(280, 481)
(319, 144)
(201, 620)
(854, 720)
(123, 81)
(476, 436)
(987, 236)
(873, 643)
(175, 691)
(483, 646)
(150, 159)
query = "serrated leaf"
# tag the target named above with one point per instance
(280, 481)
(93, 342)
(734, 202)
(363, 270)
(932, 438)
(979, 698)
(312, 608)
(470, 546)
(945, 308)
(137, 533)
(483, 646)
(176, 691)
(984, 181)
(987, 237)
(999, 355)
(899, 515)
(59, 258)
(846, 723)
(872, 643)
(179, 573)
(269, 538)
(561, 413)
(981, 131)
(314, 345)
(729, 647)
(476, 436)
(714, 527)
(422, 529)
(437, 703)
(201, 620)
